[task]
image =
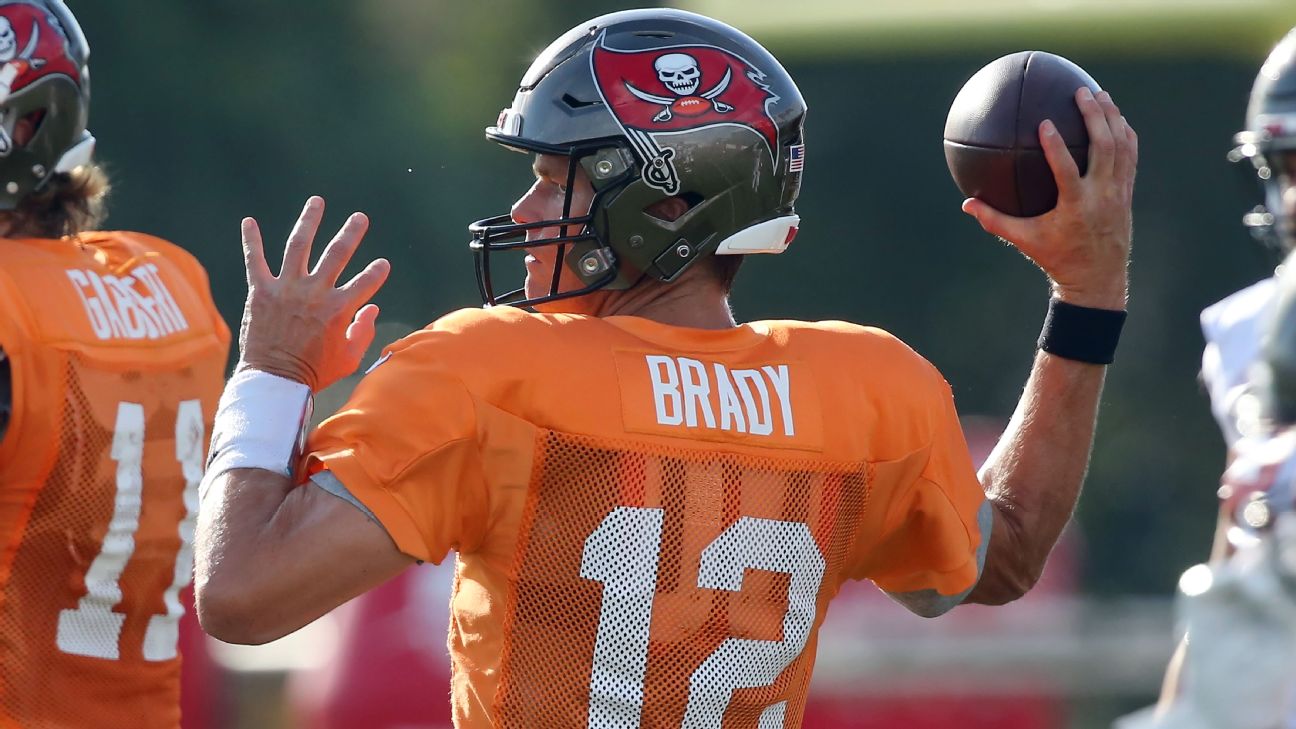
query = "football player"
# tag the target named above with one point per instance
(1235, 370)
(652, 505)
(1233, 326)
(113, 359)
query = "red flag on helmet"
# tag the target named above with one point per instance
(677, 89)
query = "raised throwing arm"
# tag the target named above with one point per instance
(1034, 475)
(272, 555)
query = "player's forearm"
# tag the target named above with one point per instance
(270, 557)
(234, 552)
(1034, 475)
(258, 576)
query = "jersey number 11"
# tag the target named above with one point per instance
(92, 628)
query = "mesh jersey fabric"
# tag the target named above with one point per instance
(118, 356)
(651, 521)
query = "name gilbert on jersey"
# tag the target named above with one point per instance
(692, 393)
(135, 306)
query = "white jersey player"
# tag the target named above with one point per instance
(1233, 667)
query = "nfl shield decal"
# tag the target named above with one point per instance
(675, 90)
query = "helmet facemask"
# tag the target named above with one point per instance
(1273, 162)
(1278, 188)
(581, 240)
(1269, 141)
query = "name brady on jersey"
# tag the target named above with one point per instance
(739, 401)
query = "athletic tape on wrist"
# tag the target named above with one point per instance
(1081, 333)
(259, 424)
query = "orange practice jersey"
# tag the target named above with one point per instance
(118, 357)
(651, 521)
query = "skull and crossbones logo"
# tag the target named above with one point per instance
(8, 41)
(680, 73)
(15, 63)
(9, 44)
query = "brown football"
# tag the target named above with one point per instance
(691, 106)
(992, 131)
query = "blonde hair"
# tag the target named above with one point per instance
(67, 204)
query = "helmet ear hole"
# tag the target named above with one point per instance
(670, 209)
(667, 210)
(26, 128)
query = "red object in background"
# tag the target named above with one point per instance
(199, 676)
(391, 669)
(929, 702)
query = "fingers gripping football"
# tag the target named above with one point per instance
(300, 324)
(1083, 244)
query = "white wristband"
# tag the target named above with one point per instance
(260, 423)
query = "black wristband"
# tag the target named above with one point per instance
(1081, 333)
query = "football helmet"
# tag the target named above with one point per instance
(1271, 129)
(652, 104)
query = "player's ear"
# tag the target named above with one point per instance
(669, 209)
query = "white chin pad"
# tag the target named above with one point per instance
(771, 236)
(80, 154)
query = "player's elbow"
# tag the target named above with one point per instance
(1003, 583)
(1013, 565)
(1025, 578)
(229, 612)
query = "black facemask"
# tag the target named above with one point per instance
(500, 233)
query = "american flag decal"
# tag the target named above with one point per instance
(796, 157)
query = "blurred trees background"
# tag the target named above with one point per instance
(207, 112)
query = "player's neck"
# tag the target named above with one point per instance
(697, 302)
(688, 310)
(15, 230)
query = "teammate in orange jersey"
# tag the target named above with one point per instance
(113, 356)
(652, 506)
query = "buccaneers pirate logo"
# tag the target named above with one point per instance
(32, 47)
(676, 90)
(679, 72)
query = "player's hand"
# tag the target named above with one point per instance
(300, 324)
(1083, 244)
(1261, 464)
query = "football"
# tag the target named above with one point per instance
(691, 106)
(992, 142)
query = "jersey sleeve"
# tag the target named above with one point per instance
(925, 543)
(405, 448)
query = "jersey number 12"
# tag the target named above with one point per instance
(623, 553)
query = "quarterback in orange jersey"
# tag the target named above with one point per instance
(652, 506)
(111, 367)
